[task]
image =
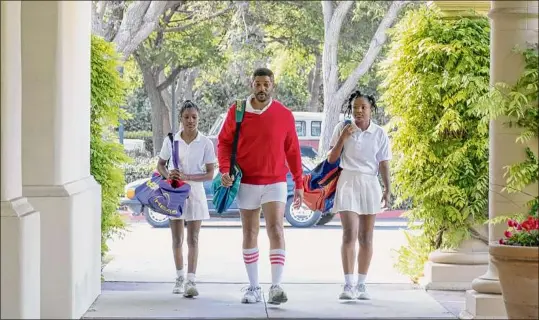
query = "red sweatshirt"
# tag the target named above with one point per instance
(267, 142)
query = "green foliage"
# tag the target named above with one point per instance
(410, 259)
(106, 155)
(141, 167)
(518, 104)
(436, 70)
(140, 111)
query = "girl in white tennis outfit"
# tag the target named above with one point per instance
(197, 162)
(359, 196)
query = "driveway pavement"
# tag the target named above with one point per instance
(139, 278)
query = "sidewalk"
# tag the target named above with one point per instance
(306, 301)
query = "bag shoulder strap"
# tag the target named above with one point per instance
(239, 112)
(174, 153)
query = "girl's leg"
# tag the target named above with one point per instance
(193, 230)
(177, 229)
(365, 235)
(350, 225)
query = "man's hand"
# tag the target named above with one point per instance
(174, 174)
(298, 198)
(226, 180)
(385, 200)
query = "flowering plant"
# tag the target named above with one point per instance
(525, 233)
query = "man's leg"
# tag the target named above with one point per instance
(250, 222)
(249, 203)
(273, 206)
(365, 235)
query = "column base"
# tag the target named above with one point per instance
(70, 246)
(20, 260)
(453, 277)
(483, 306)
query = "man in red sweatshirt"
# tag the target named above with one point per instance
(267, 143)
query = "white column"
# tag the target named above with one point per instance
(56, 153)
(513, 24)
(20, 252)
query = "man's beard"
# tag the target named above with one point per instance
(262, 97)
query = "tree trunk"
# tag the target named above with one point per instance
(334, 97)
(314, 85)
(160, 117)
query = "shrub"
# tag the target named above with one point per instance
(106, 155)
(142, 135)
(141, 167)
(436, 70)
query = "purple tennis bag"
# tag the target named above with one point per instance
(165, 196)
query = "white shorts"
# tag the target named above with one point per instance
(251, 196)
(196, 206)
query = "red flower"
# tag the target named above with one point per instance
(519, 227)
(507, 234)
(511, 223)
(501, 241)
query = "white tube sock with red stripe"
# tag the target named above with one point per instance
(277, 257)
(250, 257)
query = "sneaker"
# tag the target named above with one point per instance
(252, 295)
(178, 287)
(362, 292)
(277, 295)
(190, 289)
(347, 292)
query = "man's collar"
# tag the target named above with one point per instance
(249, 106)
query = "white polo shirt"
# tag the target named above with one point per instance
(364, 150)
(193, 157)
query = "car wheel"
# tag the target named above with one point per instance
(325, 219)
(302, 217)
(155, 219)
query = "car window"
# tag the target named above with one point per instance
(316, 128)
(301, 127)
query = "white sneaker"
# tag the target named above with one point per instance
(347, 292)
(252, 295)
(178, 287)
(190, 289)
(277, 295)
(362, 292)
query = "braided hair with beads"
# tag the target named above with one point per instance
(349, 104)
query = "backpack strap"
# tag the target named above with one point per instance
(239, 112)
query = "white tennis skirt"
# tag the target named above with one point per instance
(358, 192)
(196, 206)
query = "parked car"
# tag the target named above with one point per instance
(299, 218)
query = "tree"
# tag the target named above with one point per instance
(127, 23)
(184, 40)
(335, 93)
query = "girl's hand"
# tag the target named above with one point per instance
(347, 131)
